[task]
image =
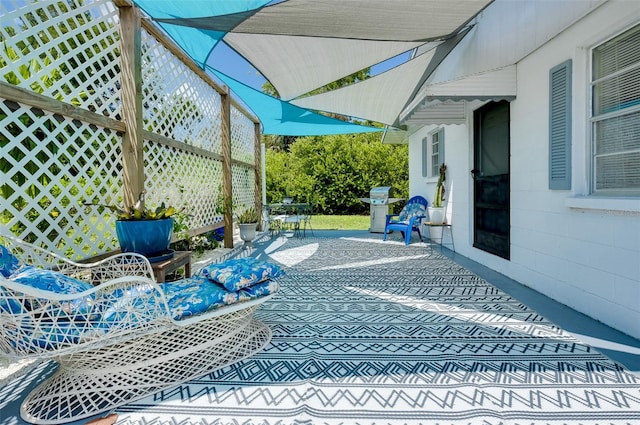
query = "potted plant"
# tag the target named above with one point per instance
(436, 210)
(143, 230)
(248, 223)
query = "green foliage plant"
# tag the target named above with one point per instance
(438, 198)
(250, 215)
(139, 211)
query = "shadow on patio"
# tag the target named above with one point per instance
(366, 331)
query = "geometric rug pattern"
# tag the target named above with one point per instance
(371, 332)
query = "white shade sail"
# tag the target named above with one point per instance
(382, 20)
(380, 98)
(296, 65)
(384, 96)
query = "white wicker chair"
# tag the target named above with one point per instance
(107, 360)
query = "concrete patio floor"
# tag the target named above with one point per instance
(350, 337)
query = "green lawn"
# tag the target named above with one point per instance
(341, 222)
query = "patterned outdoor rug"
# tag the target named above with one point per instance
(367, 332)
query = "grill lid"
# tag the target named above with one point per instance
(380, 192)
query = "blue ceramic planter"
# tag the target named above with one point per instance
(146, 237)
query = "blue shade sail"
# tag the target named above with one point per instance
(281, 118)
(186, 9)
(197, 42)
(302, 45)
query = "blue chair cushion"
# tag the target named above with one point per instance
(9, 263)
(50, 335)
(410, 211)
(239, 273)
(129, 304)
(197, 295)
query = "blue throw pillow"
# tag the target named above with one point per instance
(59, 283)
(9, 263)
(239, 273)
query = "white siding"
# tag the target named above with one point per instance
(587, 258)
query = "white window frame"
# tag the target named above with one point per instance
(595, 119)
(436, 152)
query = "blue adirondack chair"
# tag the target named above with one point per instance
(409, 219)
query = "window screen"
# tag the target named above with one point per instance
(616, 115)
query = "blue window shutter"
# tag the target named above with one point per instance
(425, 156)
(560, 127)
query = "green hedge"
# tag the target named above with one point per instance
(332, 172)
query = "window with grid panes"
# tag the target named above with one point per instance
(437, 152)
(615, 116)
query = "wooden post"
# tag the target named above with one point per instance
(131, 81)
(257, 185)
(227, 177)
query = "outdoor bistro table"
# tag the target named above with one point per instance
(289, 214)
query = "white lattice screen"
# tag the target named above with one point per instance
(52, 165)
(242, 143)
(69, 51)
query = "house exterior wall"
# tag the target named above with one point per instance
(583, 251)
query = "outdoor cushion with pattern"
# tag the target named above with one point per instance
(55, 328)
(52, 335)
(197, 295)
(239, 273)
(9, 263)
(258, 290)
(130, 304)
(410, 211)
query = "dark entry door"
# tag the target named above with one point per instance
(491, 178)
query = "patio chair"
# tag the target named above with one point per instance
(274, 218)
(409, 220)
(306, 212)
(116, 333)
(298, 219)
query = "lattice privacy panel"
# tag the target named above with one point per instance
(186, 180)
(181, 106)
(51, 166)
(242, 137)
(66, 50)
(242, 149)
(177, 103)
(69, 51)
(243, 188)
